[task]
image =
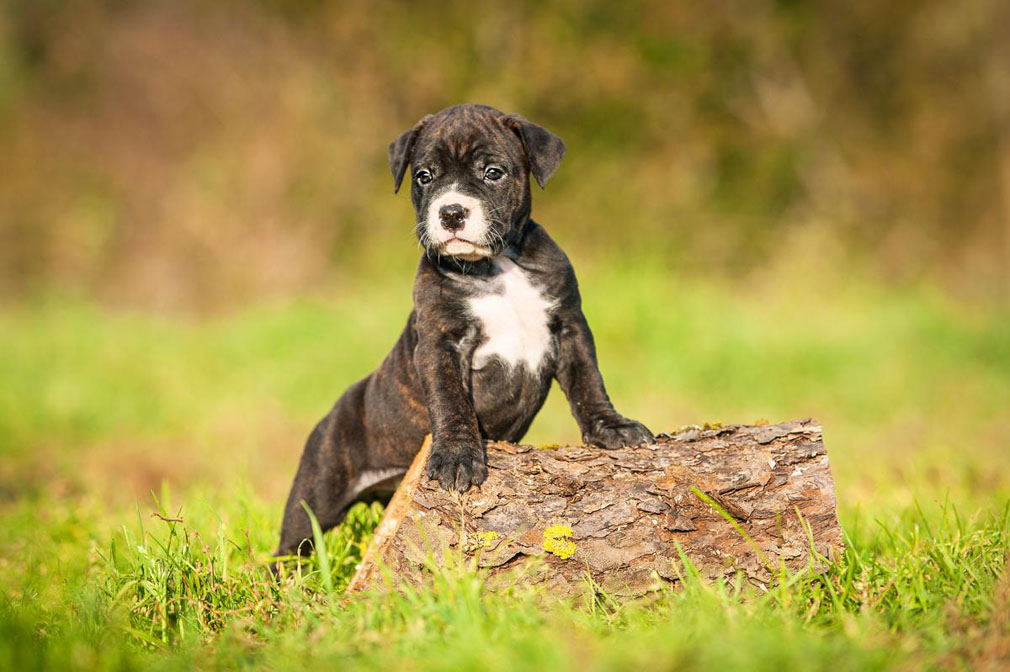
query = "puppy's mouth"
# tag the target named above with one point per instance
(464, 249)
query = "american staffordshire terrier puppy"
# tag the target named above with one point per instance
(497, 316)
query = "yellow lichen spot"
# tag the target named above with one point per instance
(479, 540)
(715, 424)
(558, 540)
(761, 422)
(550, 446)
(485, 539)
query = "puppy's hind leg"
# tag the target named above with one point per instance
(320, 483)
(333, 474)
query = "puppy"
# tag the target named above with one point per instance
(497, 316)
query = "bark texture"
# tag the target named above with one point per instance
(627, 511)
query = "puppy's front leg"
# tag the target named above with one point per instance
(457, 457)
(579, 376)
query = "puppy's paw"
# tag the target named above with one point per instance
(457, 465)
(617, 432)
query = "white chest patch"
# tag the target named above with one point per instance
(514, 318)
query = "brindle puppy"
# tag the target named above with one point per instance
(497, 315)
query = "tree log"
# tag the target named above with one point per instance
(737, 500)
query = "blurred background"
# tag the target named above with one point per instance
(192, 155)
(778, 210)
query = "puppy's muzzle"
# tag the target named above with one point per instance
(453, 217)
(455, 225)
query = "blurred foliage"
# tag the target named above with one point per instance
(192, 154)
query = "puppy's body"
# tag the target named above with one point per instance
(497, 316)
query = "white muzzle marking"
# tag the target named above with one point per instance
(468, 242)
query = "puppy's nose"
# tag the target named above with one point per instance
(453, 216)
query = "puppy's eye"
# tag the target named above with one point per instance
(423, 177)
(493, 173)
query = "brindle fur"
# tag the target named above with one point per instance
(426, 384)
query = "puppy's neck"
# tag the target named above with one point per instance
(455, 266)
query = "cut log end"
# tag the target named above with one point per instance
(735, 501)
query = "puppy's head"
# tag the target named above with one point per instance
(470, 168)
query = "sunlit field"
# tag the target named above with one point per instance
(146, 459)
(777, 211)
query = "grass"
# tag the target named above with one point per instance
(145, 460)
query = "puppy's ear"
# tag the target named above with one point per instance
(544, 150)
(399, 152)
